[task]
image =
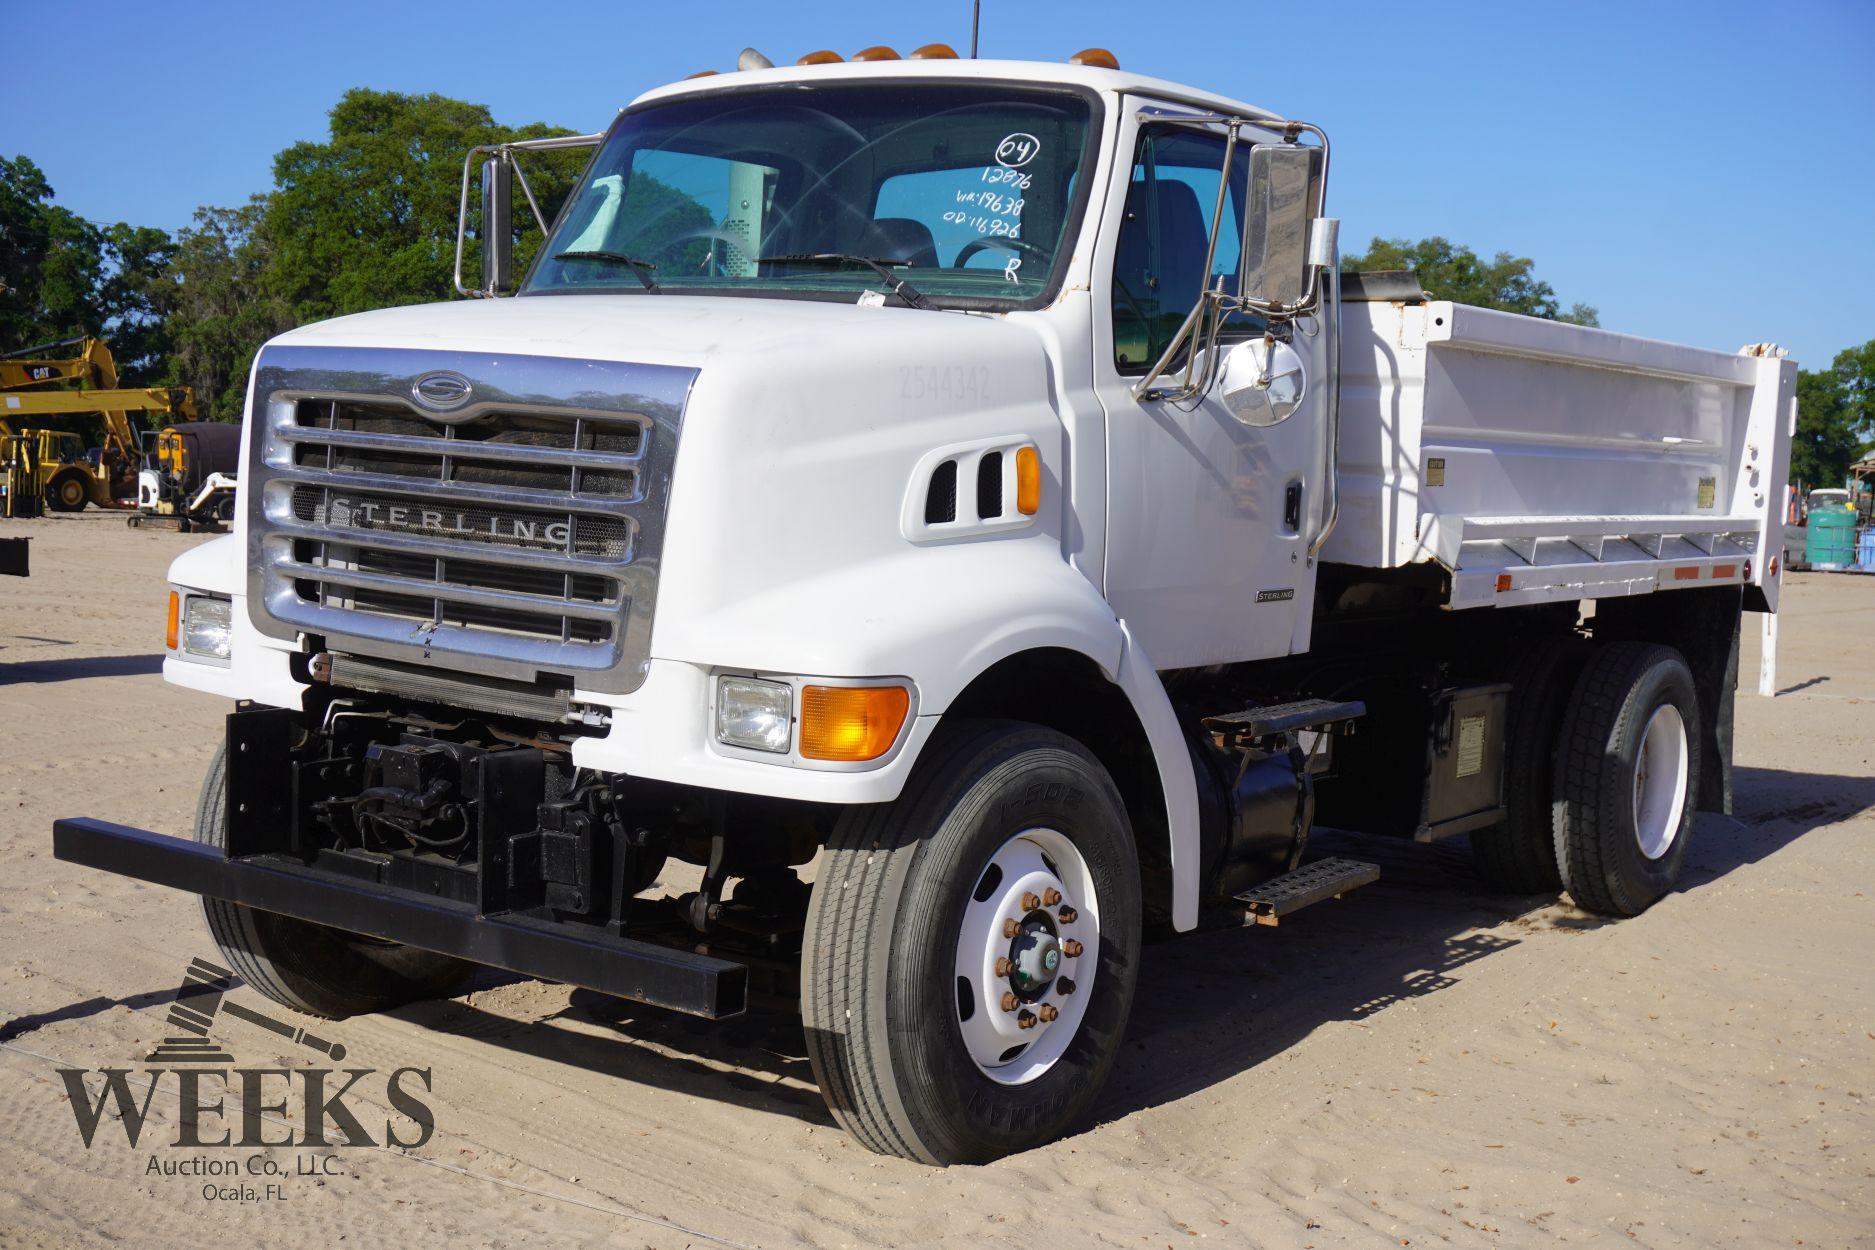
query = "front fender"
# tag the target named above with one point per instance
(936, 616)
(940, 617)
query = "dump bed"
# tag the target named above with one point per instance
(1536, 460)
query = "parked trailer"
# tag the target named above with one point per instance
(1003, 506)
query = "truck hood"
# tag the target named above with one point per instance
(688, 331)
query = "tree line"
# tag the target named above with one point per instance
(366, 218)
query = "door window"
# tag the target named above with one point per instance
(1159, 269)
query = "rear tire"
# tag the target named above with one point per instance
(903, 1029)
(1519, 856)
(309, 967)
(1627, 773)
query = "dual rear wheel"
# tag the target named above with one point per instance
(1602, 776)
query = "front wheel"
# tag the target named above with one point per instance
(972, 948)
(310, 967)
(68, 493)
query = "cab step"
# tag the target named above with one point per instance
(1311, 883)
(1277, 718)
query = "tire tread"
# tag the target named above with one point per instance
(1589, 815)
(1519, 856)
(853, 1063)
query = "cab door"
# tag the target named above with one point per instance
(1208, 520)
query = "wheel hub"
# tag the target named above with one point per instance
(1034, 957)
(1026, 956)
(1661, 773)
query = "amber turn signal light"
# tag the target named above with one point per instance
(175, 619)
(851, 723)
(1028, 481)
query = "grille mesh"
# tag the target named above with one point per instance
(555, 511)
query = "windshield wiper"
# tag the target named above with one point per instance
(642, 268)
(901, 288)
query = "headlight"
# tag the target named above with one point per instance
(205, 626)
(754, 714)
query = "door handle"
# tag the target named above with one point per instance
(1292, 508)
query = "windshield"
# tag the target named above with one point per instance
(965, 193)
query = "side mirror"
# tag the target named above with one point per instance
(1276, 275)
(497, 226)
(1263, 383)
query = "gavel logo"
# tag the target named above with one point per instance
(206, 986)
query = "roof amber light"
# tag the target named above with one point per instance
(822, 57)
(702, 73)
(1096, 58)
(878, 52)
(1028, 481)
(851, 724)
(935, 52)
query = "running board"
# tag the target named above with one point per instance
(1276, 718)
(1324, 878)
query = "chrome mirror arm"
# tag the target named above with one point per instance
(1205, 323)
(509, 152)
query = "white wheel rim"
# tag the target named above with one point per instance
(1043, 863)
(1660, 781)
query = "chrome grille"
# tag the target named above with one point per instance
(517, 536)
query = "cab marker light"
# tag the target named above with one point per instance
(1028, 481)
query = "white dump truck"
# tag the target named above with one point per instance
(958, 507)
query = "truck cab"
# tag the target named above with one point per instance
(955, 505)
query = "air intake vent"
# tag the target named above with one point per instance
(940, 501)
(990, 486)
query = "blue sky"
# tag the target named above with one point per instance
(1699, 172)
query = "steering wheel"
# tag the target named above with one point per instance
(1004, 241)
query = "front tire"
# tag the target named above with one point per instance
(309, 967)
(1627, 775)
(904, 998)
(68, 493)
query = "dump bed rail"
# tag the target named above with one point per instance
(1535, 460)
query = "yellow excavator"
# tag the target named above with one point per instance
(54, 464)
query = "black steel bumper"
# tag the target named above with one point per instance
(581, 955)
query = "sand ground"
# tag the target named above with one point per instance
(1422, 1064)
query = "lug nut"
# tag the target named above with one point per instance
(1026, 1020)
(1050, 896)
(1031, 901)
(1067, 915)
(1003, 965)
(1071, 948)
(1064, 985)
(1009, 1001)
(1048, 1011)
(1011, 928)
